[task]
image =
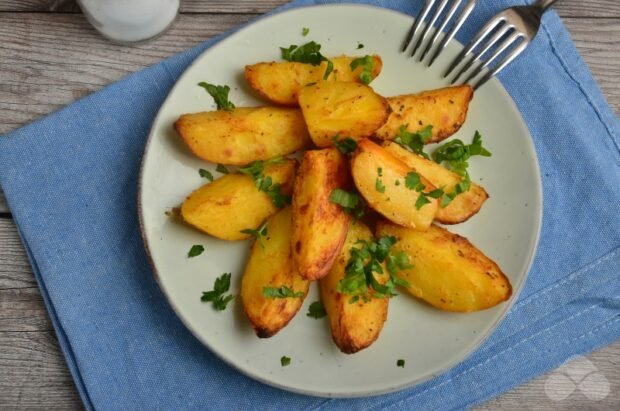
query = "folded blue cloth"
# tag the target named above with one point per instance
(70, 180)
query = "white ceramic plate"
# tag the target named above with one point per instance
(431, 341)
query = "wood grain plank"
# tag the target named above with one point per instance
(22, 309)
(4, 207)
(567, 8)
(45, 70)
(33, 373)
(15, 271)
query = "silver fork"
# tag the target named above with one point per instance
(514, 27)
(423, 14)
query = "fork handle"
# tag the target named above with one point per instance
(544, 4)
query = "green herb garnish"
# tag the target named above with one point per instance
(368, 63)
(309, 53)
(351, 202)
(414, 141)
(345, 145)
(265, 183)
(216, 296)
(195, 251)
(205, 174)
(360, 45)
(305, 31)
(400, 363)
(379, 186)
(219, 94)
(259, 234)
(221, 168)
(316, 310)
(285, 361)
(282, 292)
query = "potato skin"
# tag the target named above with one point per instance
(341, 108)
(448, 272)
(243, 135)
(279, 82)
(445, 109)
(354, 326)
(272, 266)
(397, 203)
(464, 206)
(319, 226)
(233, 203)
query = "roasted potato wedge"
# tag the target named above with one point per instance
(341, 108)
(357, 325)
(380, 179)
(280, 82)
(243, 135)
(448, 272)
(270, 265)
(233, 203)
(445, 109)
(463, 206)
(319, 226)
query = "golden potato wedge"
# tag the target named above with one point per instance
(270, 265)
(341, 108)
(279, 82)
(463, 206)
(448, 271)
(243, 135)
(233, 203)
(380, 179)
(319, 226)
(445, 109)
(357, 325)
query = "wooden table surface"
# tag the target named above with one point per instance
(50, 56)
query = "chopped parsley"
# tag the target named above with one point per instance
(219, 94)
(265, 183)
(413, 181)
(285, 361)
(259, 234)
(400, 363)
(309, 53)
(379, 186)
(221, 168)
(367, 63)
(216, 297)
(414, 141)
(360, 45)
(316, 310)
(195, 251)
(351, 202)
(281, 292)
(205, 174)
(345, 145)
(367, 260)
(305, 31)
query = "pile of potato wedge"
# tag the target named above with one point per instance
(311, 239)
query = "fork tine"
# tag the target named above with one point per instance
(416, 24)
(469, 7)
(433, 40)
(429, 26)
(500, 49)
(506, 61)
(478, 55)
(472, 44)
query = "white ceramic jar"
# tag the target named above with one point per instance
(130, 21)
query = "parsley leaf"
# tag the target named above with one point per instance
(265, 183)
(305, 31)
(316, 310)
(282, 292)
(285, 361)
(195, 251)
(400, 363)
(351, 202)
(221, 168)
(379, 186)
(219, 94)
(260, 234)
(413, 181)
(422, 201)
(346, 145)
(368, 63)
(360, 45)
(205, 174)
(309, 53)
(216, 297)
(414, 141)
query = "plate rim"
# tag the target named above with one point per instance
(534, 236)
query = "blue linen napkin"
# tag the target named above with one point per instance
(70, 180)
